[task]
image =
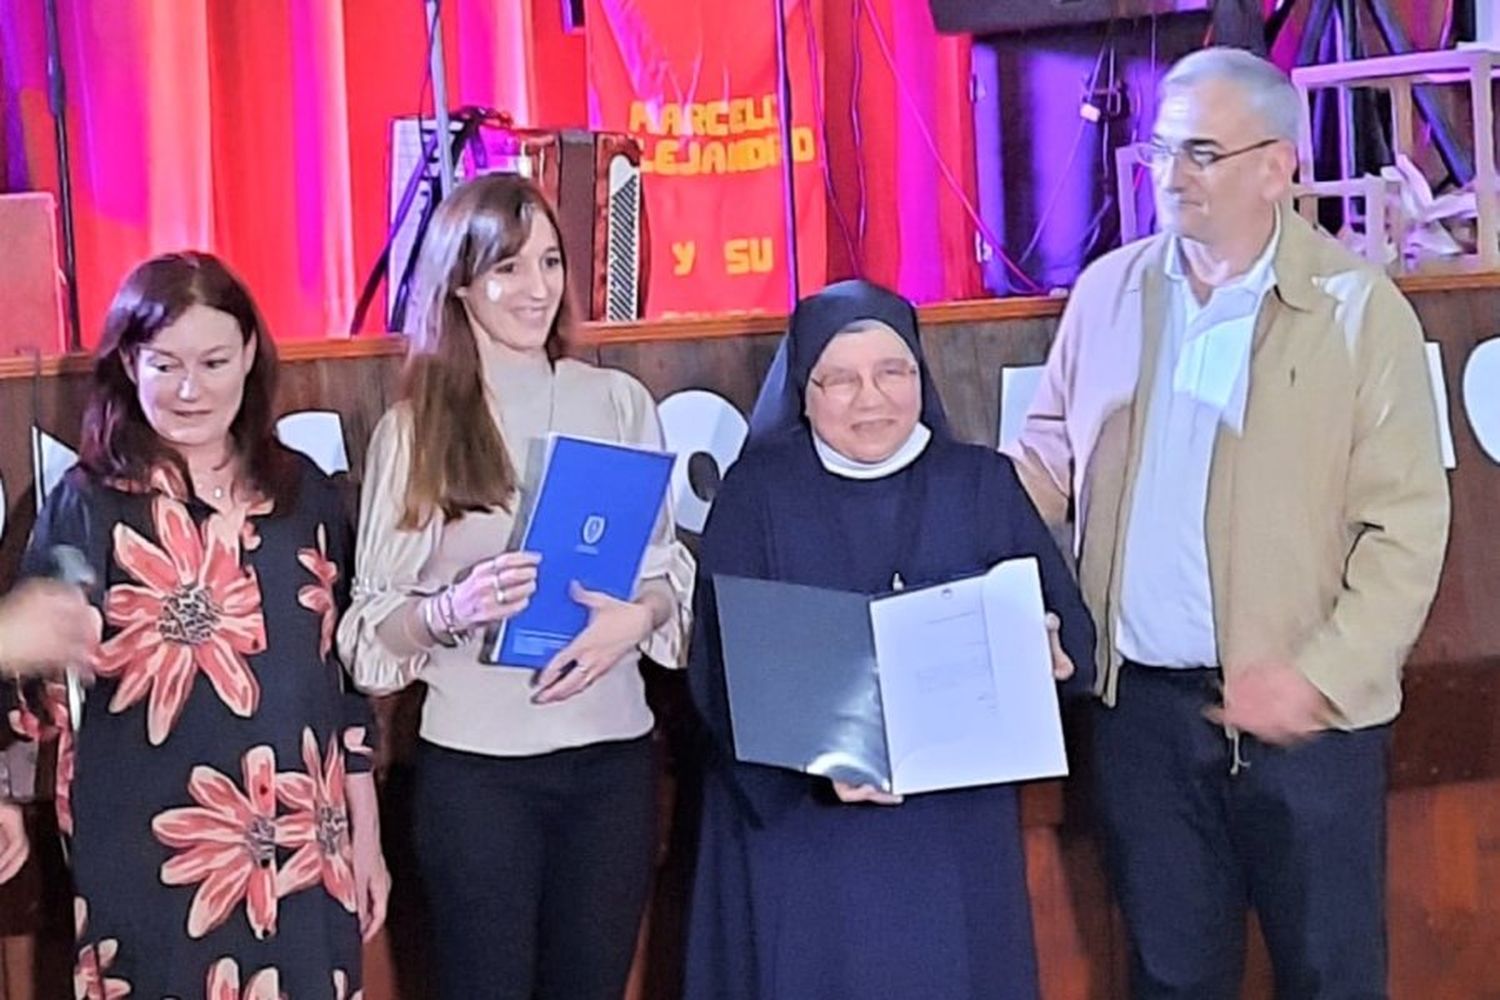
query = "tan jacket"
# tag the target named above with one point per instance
(1326, 521)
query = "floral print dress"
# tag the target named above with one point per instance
(203, 794)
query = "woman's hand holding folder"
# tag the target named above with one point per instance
(615, 628)
(495, 589)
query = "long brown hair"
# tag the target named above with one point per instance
(459, 461)
(119, 445)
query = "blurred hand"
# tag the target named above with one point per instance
(1274, 703)
(45, 626)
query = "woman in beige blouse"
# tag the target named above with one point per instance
(535, 811)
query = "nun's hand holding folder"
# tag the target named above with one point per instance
(941, 687)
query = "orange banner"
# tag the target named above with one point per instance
(697, 84)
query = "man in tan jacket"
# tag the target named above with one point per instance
(1237, 415)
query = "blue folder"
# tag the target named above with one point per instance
(592, 520)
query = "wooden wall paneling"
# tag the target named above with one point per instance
(1444, 892)
(1463, 625)
(731, 367)
(966, 359)
(360, 390)
(1080, 941)
(55, 405)
(16, 414)
(1449, 730)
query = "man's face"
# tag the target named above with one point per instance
(1202, 194)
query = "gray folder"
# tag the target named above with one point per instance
(803, 692)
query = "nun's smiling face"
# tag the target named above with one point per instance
(865, 396)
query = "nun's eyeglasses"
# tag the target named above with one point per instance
(889, 380)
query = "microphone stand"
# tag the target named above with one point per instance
(784, 109)
(438, 68)
(57, 104)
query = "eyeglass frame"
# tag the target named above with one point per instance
(907, 374)
(1158, 154)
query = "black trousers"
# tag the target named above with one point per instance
(535, 870)
(1297, 834)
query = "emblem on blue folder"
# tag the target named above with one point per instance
(593, 529)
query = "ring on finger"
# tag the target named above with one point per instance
(499, 590)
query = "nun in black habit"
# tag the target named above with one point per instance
(852, 481)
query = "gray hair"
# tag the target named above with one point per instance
(1267, 89)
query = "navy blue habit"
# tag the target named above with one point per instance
(798, 896)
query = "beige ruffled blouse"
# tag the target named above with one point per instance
(471, 706)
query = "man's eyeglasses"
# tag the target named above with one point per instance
(1200, 156)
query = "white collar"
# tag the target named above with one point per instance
(849, 468)
(1261, 275)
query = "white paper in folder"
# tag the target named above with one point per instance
(966, 682)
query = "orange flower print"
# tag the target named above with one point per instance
(357, 741)
(194, 608)
(318, 597)
(227, 844)
(90, 976)
(318, 829)
(341, 987)
(224, 983)
(249, 534)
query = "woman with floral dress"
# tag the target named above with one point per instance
(216, 791)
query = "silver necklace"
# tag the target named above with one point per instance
(219, 490)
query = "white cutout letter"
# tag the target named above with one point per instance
(318, 434)
(1017, 387)
(53, 459)
(699, 421)
(1440, 399)
(1482, 395)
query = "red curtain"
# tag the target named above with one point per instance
(258, 130)
(901, 150)
(700, 88)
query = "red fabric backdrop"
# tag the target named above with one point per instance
(700, 88)
(258, 130)
(901, 142)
